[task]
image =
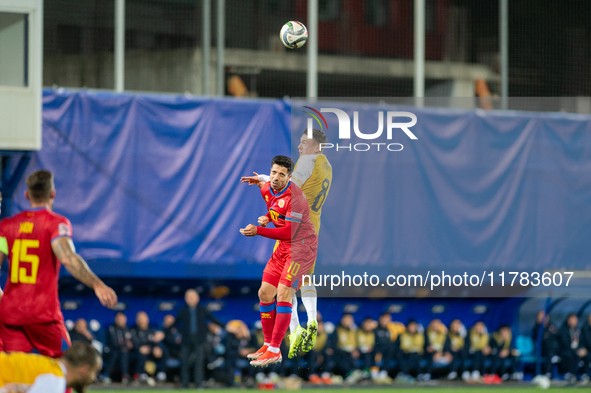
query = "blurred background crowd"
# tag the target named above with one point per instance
(204, 350)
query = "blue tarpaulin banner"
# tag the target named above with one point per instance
(151, 186)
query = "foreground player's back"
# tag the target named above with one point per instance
(33, 268)
(299, 210)
(20, 370)
(317, 179)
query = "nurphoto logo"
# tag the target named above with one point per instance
(392, 124)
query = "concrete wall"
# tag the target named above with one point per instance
(179, 70)
(175, 71)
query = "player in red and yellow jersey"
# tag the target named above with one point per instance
(293, 257)
(24, 372)
(37, 241)
(313, 174)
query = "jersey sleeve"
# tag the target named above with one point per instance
(62, 228)
(295, 210)
(264, 189)
(48, 383)
(303, 170)
(3, 246)
(3, 241)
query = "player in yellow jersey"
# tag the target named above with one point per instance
(313, 174)
(24, 372)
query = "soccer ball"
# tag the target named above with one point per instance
(542, 381)
(293, 35)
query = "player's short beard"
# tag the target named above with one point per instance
(281, 186)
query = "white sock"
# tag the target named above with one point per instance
(267, 344)
(273, 349)
(295, 321)
(309, 298)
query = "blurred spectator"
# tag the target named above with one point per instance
(81, 332)
(504, 355)
(257, 337)
(237, 343)
(344, 341)
(213, 350)
(366, 341)
(586, 339)
(318, 357)
(191, 323)
(478, 351)
(144, 339)
(457, 335)
(172, 338)
(437, 347)
(570, 348)
(384, 349)
(396, 329)
(548, 340)
(412, 345)
(119, 345)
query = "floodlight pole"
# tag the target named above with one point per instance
(119, 45)
(312, 77)
(504, 44)
(206, 46)
(220, 48)
(419, 50)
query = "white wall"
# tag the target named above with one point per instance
(20, 104)
(12, 49)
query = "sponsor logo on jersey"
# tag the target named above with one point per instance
(267, 198)
(64, 230)
(26, 227)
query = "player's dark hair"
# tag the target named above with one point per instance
(283, 161)
(40, 185)
(318, 135)
(82, 354)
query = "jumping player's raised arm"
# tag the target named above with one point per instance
(64, 250)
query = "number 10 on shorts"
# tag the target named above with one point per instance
(293, 270)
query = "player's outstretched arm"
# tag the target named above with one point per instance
(253, 180)
(64, 250)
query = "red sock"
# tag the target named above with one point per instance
(268, 313)
(281, 323)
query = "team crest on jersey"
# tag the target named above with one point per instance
(64, 230)
(281, 202)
